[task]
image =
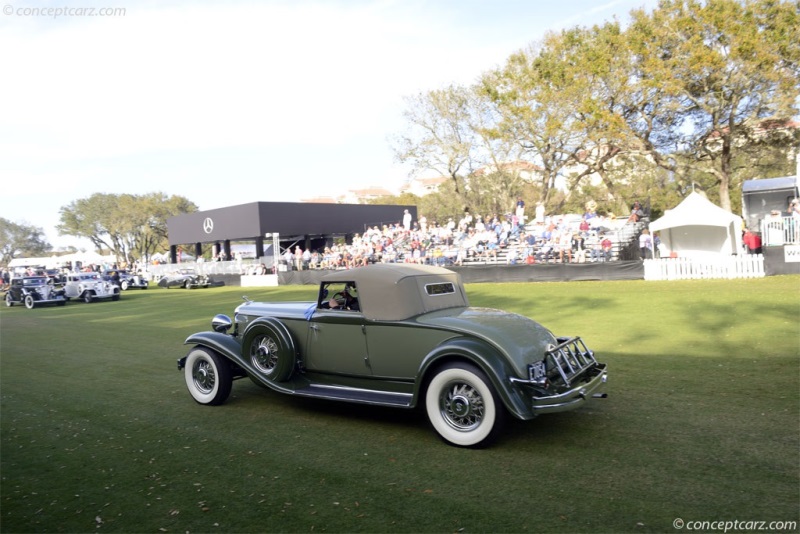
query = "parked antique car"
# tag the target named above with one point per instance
(125, 280)
(185, 278)
(33, 291)
(398, 335)
(89, 286)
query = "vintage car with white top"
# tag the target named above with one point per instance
(33, 291)
(90, 286)
(402, 336)
(125, 279)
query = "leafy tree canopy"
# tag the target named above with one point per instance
(689, 95)
(130, 226)
(20, 240)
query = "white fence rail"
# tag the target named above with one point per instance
(777, 231)
(744, 266)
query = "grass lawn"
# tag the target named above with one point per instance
(702, 423)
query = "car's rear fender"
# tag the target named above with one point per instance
(484, 356)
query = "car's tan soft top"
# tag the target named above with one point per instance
(397, 291)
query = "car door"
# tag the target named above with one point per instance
(337, 343)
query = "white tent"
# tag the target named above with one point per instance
(698, 227)
(87, 258)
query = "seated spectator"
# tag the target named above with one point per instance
(593, 246)
(579, 248)
(529, 241)
(545, 251)
(564, 247)
(512, 258)
(636, 213)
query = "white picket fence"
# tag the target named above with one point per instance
(743, 266)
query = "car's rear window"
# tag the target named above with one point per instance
(442, 288)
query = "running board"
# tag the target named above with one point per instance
(362, 396)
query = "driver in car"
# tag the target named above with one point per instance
(344, 300)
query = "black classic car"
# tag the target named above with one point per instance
(184, 278)
(398, 335)
(33, 291)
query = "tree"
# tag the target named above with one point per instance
(18, 240)
(689, 96)
(720, 71)
(130, 226)
(440, 137)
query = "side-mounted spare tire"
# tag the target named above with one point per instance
(267, 344)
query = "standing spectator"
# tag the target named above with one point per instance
(407, 220)
(520, 210)
(606, 245)
(423, 224)
(794, 211)
(540, 212)
(752, 241)
(646, 244)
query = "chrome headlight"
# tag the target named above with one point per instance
(221, 323)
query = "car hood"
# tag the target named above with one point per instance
(278, 310)
(522, 339)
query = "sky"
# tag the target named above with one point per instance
(227, 103)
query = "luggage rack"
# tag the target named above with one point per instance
(571, 357)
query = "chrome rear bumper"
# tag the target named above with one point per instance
(573, 398)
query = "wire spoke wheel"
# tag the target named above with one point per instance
(204, 376)
(208, 376)
(270, 350)
(463, 407)
(264, 354)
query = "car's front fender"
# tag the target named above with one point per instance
(225, 344)
(229, 347)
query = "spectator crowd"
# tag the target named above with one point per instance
(471, 239)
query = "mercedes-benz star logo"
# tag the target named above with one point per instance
(208, 225)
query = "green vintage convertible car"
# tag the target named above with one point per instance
(398, 335)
